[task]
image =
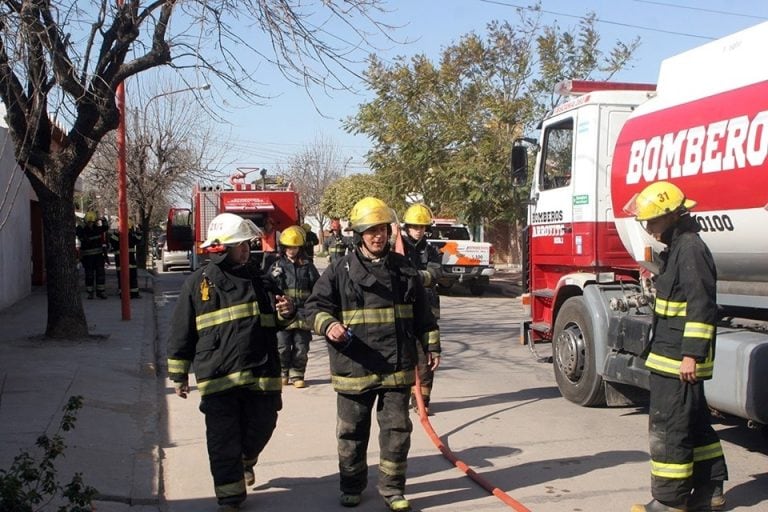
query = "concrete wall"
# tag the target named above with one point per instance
(15, 234)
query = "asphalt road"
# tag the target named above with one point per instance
(495, 407)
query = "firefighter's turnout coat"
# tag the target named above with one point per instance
(685, 450)
(385, 307)
(685, 308)
(225, 321)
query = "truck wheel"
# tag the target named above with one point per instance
(477, 289)
(573, 355)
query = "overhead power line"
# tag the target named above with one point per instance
(600, 20)
(702, 9)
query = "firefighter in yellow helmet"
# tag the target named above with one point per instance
(225, 323)
(135, 238)
(428, 260)
(92, 253)
(374, 313)
(295, 274)
(687, 462)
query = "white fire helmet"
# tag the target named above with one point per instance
(228, 229)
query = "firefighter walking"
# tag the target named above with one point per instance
(91, 236)
(372, 308)
(134, 238)
(225, 322)
(295, 275)
(687, 462)
(427, 259)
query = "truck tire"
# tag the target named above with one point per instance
(573, 355)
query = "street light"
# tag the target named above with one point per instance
(122, 197)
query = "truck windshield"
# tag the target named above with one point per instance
(448, 233)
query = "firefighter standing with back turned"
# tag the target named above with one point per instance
(687, 462)
(427, 259)
(372, 308)
(225, 322)
(91, 236)
(134, 238)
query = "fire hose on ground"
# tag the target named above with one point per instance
(448, 454)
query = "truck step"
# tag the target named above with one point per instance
(544, 292)
(540, 326)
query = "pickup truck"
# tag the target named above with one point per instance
(464, 261)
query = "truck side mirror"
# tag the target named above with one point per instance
(518, 165)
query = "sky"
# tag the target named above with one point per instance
(269, 135)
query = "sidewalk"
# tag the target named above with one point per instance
(115, 439)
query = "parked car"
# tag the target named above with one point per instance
(170, 259)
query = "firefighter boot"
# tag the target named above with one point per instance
(90, 295)
(101, 295)
(299, 383)
(249, 475)
(657, 506)
(707, 497)
(349, 499)
(398, 503)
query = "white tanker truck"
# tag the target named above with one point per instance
(704, 127)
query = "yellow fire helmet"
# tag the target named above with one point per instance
(369, 212)
(230, 229)
(656, 200)
(418, 215)
(292, 236)
(90, 216)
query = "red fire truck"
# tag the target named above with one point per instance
(270, 198)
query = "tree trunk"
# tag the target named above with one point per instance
(66, 318)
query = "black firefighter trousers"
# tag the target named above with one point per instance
(426, 376)
(353, 429)
(238, 424)
(685, 449)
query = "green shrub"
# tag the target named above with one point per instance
(30, 485)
